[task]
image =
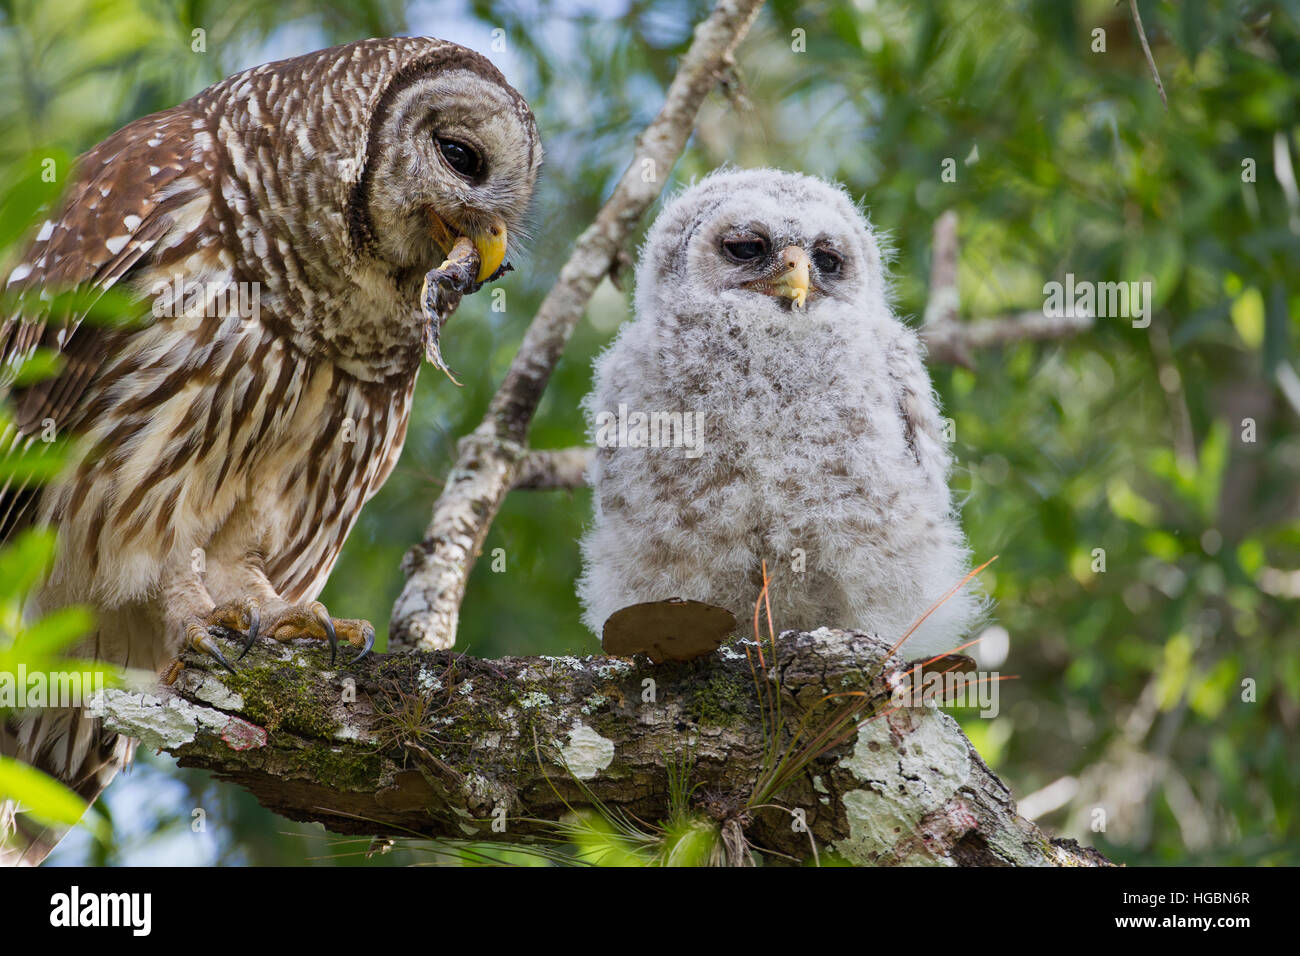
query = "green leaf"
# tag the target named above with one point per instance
(1129, 505)
(27, 197)
(25, 561)
(41, 364)
(45, 799)
(56, 630)
(1248, 317)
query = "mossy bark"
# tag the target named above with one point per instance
(444, 746)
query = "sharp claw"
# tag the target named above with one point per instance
(221, 660)
(254, 622)
(370, 642)
(302, 619)
(323, 617)
(207, 645)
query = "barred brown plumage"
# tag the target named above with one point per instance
(272, 234)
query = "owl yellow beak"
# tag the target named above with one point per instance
(491, 246)
(794, 282)
(490, 242)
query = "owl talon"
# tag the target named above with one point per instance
(236, 619)
(368, 641)
(199, 638)
(250, 632)
(312, 620)
(323, 616)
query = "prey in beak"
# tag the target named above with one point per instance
(489, 242)
(471, 261)
(793, 281)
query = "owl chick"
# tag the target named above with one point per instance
(767, 405)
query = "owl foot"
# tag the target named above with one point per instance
(236, 619)
(201, 636)
(171, 672)
(311, 620)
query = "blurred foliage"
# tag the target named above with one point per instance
(43, 646)
(1126, 440)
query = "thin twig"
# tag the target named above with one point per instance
(553, 468)
(1171, 383)
(1146, 50)
(947, 339)
(943, 304)
(952, 342)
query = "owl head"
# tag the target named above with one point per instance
(453, 150)
(382, 151)
(761, 244)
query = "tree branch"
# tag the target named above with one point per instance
(426, 612)
(437, 746)
(952, 342)
(943, 302)
(544, 470)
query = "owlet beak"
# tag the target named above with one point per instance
(793, 283)
(491, 246)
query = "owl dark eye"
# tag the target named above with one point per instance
(464, 159)
(828, 263)
(746, 249)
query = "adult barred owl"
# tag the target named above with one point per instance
(274, 232)
(815, 443)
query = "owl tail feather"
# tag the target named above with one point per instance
(70, 746)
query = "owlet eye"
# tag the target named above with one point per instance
(745, 249)
(828, 263)
(462, 158)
